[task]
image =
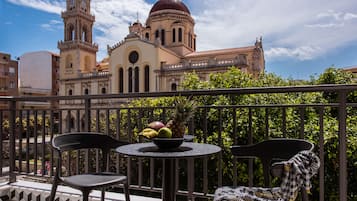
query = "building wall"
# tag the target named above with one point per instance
(8, 78)
(36, 65)
(149, 55)
(8, 75)
(74, 62)
(39, 75)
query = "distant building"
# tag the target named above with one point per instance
(39, 76)
(352, 69)
(152, 58)
(8, 77)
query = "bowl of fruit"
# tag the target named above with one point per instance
(171, 134)
(161, 136)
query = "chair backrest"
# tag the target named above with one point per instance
(85, 140)
(272, 150)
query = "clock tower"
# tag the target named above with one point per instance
(77, 50)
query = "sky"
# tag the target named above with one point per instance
(300, 38)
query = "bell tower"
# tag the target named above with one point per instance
(77, 50)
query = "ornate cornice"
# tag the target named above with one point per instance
(75, 13)
(77, 44)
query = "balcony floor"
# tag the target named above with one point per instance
(31, 190)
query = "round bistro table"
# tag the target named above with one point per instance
(186, 150)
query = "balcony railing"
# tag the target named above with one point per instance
(26, 150)
(241, 61)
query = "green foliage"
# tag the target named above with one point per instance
(335, 76)
(255, 114)
(27, 126)
(224, 136)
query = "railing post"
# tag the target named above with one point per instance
(87, 114)
(87, 129)
(12, 151)
(342, 96)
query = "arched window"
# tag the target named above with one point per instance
(104, 90)
(71, 3)
(147, 36)
(174, 35)
(157, 34)
(173, 87)
(137, 78)
(71, 32)
(121, 80)
(84, 34)
(162, 36)
(83, 123)
(71, 122)
(130, 80)
(86, 91)
(70, 92)
(194, 44)
(189, 39)
(180, 35)
(147, 78)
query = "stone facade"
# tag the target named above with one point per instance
(8, 77)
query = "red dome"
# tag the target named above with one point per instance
(169, 4)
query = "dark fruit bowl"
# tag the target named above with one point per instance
(167, 143)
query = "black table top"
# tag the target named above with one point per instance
(186, 150)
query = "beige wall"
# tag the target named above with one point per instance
(149, 54)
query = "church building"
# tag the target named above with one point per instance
(153, 57)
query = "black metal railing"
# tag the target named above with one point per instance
(26, 150)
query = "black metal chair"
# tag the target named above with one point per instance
(270, 152)
(86, 182)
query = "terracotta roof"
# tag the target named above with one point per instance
(350, 68)
(169, 4)
(221, 51)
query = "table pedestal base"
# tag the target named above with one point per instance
(168, 181)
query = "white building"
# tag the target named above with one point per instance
(38, 76)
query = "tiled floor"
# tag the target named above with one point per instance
(23, 190)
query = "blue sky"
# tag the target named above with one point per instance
(300, 38)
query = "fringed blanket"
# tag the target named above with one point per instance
(297, 174)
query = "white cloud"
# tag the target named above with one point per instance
(51, 6)
(329, 25)
(350, 16)
(52, 25)
(300, 53)
(331, 14)
(113, 18)
(301, 29)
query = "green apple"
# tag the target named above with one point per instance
(164, 132)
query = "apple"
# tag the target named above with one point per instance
(164, 132)
(156, 125)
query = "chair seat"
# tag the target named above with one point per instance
(93, 180)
